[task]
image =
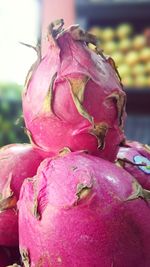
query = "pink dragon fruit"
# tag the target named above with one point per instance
(73, 97)
(80, 210)
(135, 159)
(17, 162)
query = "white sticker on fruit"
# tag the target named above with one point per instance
(142, 160)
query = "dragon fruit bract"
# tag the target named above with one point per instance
(134, 157)
(73, 97)
(17, 162)
(80, 210)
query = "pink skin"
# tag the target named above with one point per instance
(17, 162)
(98, 227)
(133, 153)
(62, 125)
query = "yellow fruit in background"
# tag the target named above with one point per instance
(140, 81)
(147, 67)
(139, 42)
(124, 30)
(148, 82)
(124, 70)
(108, 34)
(138, 69)
(92, 47)
(128, 81)
(110, 47)
(125, 45)
(118, 57)
(97, 31)
(145, 54)
(132, 58)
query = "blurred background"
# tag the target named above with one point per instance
(123, 28)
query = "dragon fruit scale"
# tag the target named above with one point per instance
(134, 157)
(17, 162)
(81, 210)
(73, 96)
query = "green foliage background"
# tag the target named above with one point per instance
(11, 120)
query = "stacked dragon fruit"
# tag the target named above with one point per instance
(17, 162)
(76, 207)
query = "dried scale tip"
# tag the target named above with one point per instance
(112, 63)
(37, 48)
(29, 45)
(79, 34)
(25, 257)
(64, 151)
(83, 191)
(8, 203)
(14, 265)
(100, 131)
(139, 192)
(55, 28)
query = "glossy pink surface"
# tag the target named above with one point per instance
(76, 213)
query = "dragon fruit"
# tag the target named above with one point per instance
(73, 96)
(81, 210)
(134, 157)
(17, 162)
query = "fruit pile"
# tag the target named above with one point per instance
(130, 51)
(78, 195)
